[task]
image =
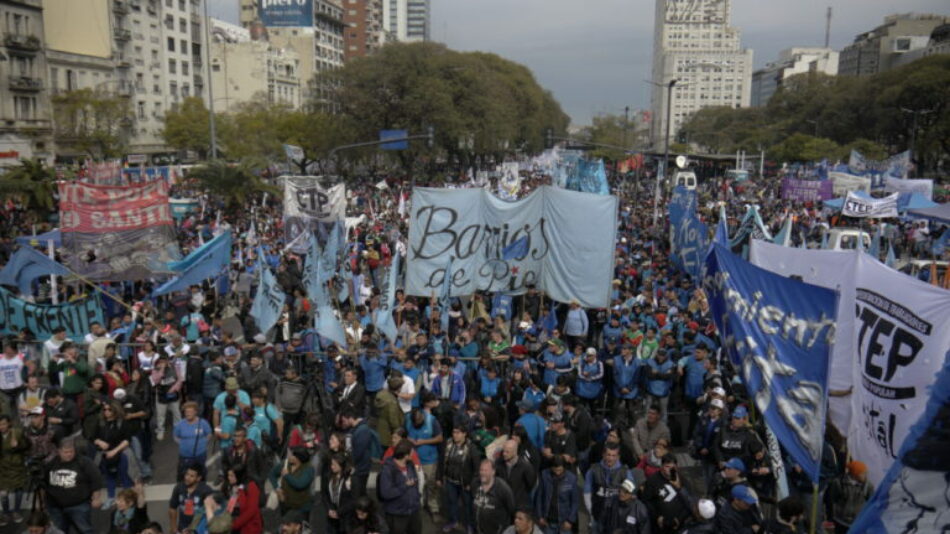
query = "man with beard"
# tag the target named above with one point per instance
(494, 503)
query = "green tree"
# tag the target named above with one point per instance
(92, 122)
(614, 130)
(234, 183)
(187, 126)
(31, 183)
(800, 147)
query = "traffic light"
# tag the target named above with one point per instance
(430, 136)
(548, 138)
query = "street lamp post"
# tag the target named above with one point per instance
(211, 126)
(913, 131)
(666, 149)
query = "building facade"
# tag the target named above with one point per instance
(363, 22)
(25, 114)
(694, 44)
(407, 20)
(791, 61)
(149, 51)
(884, 47)
(244, 69)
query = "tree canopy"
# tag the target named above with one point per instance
(92, 122)
(813, 114)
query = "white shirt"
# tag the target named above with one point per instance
(147, 362)
(11, 372)
(408, 388)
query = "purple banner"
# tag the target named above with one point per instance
(807, 190)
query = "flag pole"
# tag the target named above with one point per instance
(814, 509)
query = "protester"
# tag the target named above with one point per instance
(71, 484)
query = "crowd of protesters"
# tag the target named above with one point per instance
(545, 418)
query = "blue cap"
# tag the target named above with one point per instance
(740, 411)
(745, 494)
(737, 464)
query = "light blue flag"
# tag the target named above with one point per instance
(784, 237)
(891, 259)
(331, 253)
(824, 240)
(311, 268)
(28, 264)
(804, 243)
(383, 316)
(325, 320)
(722, 229)
(940, 244)
(207, 261)
(268, 302)
(445, 298)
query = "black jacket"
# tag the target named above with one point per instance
(459, 464)
(581, 424)
(741, 443)
(631, 517)
(71, 483)
(67, 411)
(664, 499)
(356, 398)
(495, 508)
(521, 478)
(730, 520)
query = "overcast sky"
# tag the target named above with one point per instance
(595, 54)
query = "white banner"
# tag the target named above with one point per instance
(307, 203)
(844, 182)
(893, 337)
(924, 186)
(901, 336)
(561, 241)
(855, 206)
(826, 268)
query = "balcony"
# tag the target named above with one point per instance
(196, 61)
(199, 80)
(120, 7)
(22, 42)
(25, 83)
(196, 19)
(122, 62)
(122, 35)
(124, 89)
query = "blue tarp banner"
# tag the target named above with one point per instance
(207, 261)
(76, 317)
(689, 239)
(28, 264)
(779, 332)
(40, 240)
(588, 177)
(913, 495)
(383, 316)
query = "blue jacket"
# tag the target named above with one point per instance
(535, 427)
(695, 372)
(457, 394)
(428, 454)
(192, 438)
(374, 371)
(489, 387)
(576, 323)
(562, 364)
(398, 497)
(534, 396)
(589, 380)
(627, 375)
(660, 387)
(566, 492)
(361, 440)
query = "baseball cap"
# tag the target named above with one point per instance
(118, 394)
(737, 464)
(717, 403)
(706, 509)
(592, 351)
(629, 486)
(719, 391)
(526, 405)
(739, 412)
(556, 417)
(230, 351)
(745, 494)
(231, 383)
(296, 335)
(260, 338)
(36, 410)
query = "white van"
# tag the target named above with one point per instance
(686, 179)
(847, 239)
(920, 269)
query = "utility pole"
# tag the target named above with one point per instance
(626, 121)
(666, 149)
(828, 28)
(211, 125)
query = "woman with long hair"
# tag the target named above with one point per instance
(338, 498)
(147, 356)
(111, 439)
(243, 502)
(365, 518)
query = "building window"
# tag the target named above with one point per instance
(169, 22)
(141, 110)
(25, 107)
(171, 44)
(181, 5)
(184, 68)
(183, 25)
(168, 3)
(173, 88)
(216, 67)
(185, 91)
(172, 66)
(184, 47)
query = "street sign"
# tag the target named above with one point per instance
(394, 134)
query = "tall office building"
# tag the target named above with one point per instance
(25, 117)
(791, 61)
(886, 46)
(150, 52)
(694, 44)
(406, 20)
(363, 32)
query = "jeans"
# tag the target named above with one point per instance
(120, 474)
(556, 529)
(431, 497)
(79, 516)
(453, 512)
(138, 453)
(405, 524)
(161, 410)
(17, 501)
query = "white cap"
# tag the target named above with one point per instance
(118, 394)
(629, 486)
(719, 391)
(706, 508)
(260, 338)
(592, 351)
(717, 403)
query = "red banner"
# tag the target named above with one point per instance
(96, 208)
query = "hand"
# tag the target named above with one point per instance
(542, 522)
(566, 525)
(13, 442)
(111, 454)
(101, 444)
(438, 483)
(659, 521)
(703, 452)
(96, 500)
(332, 514)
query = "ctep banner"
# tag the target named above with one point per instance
(855, 206)
(807, 190)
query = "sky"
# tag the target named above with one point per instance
(594, 55)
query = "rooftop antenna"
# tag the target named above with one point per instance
(828, 28)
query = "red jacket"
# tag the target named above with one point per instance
(248, 520)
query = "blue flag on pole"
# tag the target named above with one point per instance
(778, 331)
(875, 250)
(383, 316)
(325, 320)
(891, 259)
(913, 495)
(28, 264)
(268, 302)
(784, 236)
(722, 229)
(207, 261)
(690, 245)
(940, 244)
(517, 249)
(311, 268)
